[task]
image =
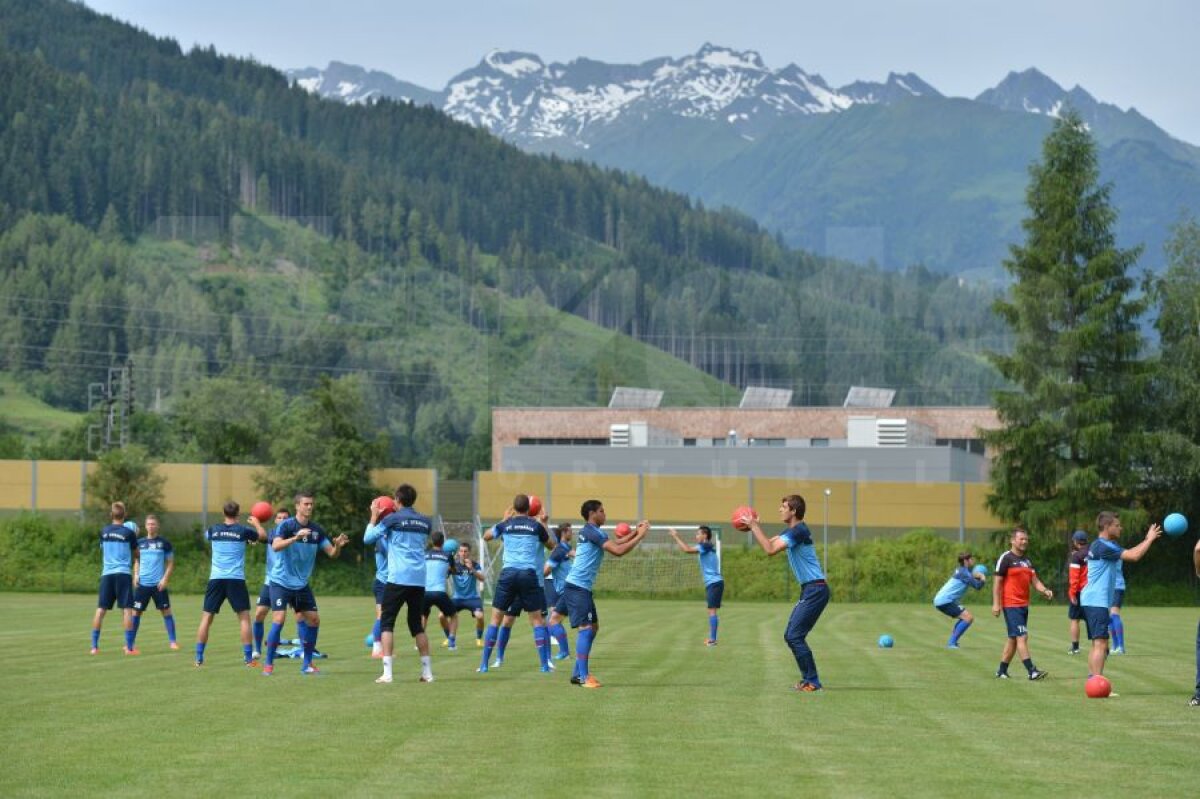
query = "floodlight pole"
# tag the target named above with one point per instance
(825, 547)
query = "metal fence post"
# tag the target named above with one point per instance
(204, 495)
(962, 511)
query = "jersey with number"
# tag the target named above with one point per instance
(588, 557)
(1018, 573)
(117, 543)
(1104, 557)
(802, 555)
(229, 550)
(524, 543)
(153, 554)
(293, 566)
(407, 533)
(710, 563)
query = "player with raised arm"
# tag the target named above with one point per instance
(797, 541)
(118, 550)
(407, 532)
(1077, 576)
(227, 578)
(439, 565)
(386, 506)
(519, 586)
(948, 597)
(577, 600)
(710, 571)
(152, 573)
(1096, 598)
(296, 542)
(465, 581)
(558, 566)
(264, 596)
(1010, 594)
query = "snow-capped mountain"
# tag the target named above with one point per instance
(518, 96)
(352, 84)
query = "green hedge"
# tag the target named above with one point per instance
(42, 554)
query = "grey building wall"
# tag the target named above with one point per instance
(880, 464)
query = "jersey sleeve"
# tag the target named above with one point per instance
(1002, 565)
(170, 550)
(542, 535)
(249, 534)
(1109, 551)
(592, 537)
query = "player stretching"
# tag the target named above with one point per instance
(118, 547)
(227, 578)
(1010, 593)
(947, 598)
(577, 600)
(296, 542)
(155, 564)
(407, 533)
(710, 570)
(1096, 598)
(264, 596)
(519, 587)
(465, 580)
(1077, 577)
(814, 592)
(558, 566)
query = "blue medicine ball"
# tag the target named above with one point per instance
(1175, 524)
(369, 640)
(885, 641)
(450, 547)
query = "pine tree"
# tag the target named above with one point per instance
(1071, 434)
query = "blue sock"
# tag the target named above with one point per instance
(310, 644)
(1118, 631)
(489, 642)
(247, 652)
(376, 631)
(478, 633)
(502, 642)
(960, 627)
(273, 642)
(130, 634)
(583, 651)
(451, 638)
(712, 628)
(95, 639)
(542, 642)
(170, 622)
(560, 635)
(302, 631)
(200, 652)
(259, 629)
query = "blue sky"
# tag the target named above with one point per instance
(1130, 54)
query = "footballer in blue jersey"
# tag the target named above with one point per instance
(439, 566)
(263, 606)
(710, 572)
(947, 598)
(407, 531)
(296, 543)
(227, 578)
(1096, 598)
(558, 566)
(155, 564)
(519, 586)
(576, 603)
(118, 549)
(465, 582)
(379, 584)
(797, 541)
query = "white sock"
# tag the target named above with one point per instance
(426, 666)
(387, 666)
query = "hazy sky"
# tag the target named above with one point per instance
(1131, 54)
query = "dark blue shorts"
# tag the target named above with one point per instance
(580, 606)
(439, 600)
(713, 593)
(379, 589)
(116, 588)
(951, 609)
(264, 596)
(1074, 611)
(144, 593)
(1118, 597)
(301, 599)
(220, 590)
(473, 605)
(517, 590)
(1017, 619)
(551, 593)
(1097, 620)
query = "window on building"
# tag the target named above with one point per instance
(819, 442)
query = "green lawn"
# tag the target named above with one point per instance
(673, 718)
(27, 413)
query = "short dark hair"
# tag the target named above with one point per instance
(302, 495)
(963, 557)
(150, 516)
(437, 538)
(231, 509)
(1016, 531)
(406, 495)
(589, 507)
(562, 528)
(796, 503)
(706, 530)
(1105, 519)
(521, 503)
(117, 511)
(462, 544)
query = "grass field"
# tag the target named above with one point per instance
(674, 718)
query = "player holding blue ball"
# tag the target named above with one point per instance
(947, 599)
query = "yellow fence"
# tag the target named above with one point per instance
(191, 488)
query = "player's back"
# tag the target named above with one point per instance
(117, 543)
(228, 543)
(524, 542)
(437, 569)
(407, 531)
